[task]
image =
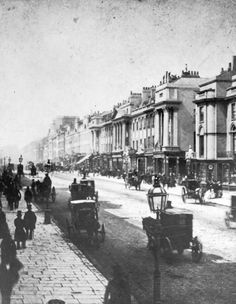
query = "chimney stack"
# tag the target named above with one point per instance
(229, 68)
(234, 64)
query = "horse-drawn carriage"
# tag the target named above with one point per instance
(201, 191)
(84, 218)
(191, 188)
(173, 226)
(133, 180)
(83, 190)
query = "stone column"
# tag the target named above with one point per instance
(165, 127)
(175, 128)
(123, 134)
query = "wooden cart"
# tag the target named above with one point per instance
(84, 218)
(175, 233)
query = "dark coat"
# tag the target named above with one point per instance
(30, 219)
(20, 234)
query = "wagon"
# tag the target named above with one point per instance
(84, 220)
(175, 229)
(191, 188)
(132, 180)
(230, 216)
(83, 190)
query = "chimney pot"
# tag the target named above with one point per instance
(229, 68)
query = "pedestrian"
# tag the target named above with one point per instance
(8, 249)
(20, 234)
(16, 196)
(28, 196)
(29, 222)
(2, 187)
(10, 194)
(33, 189)
(3, 223)
(118, 290)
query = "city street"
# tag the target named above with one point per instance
(122, 210)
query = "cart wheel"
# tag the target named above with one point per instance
(196, 250)
(227, 219)
(183, 195)
(167, 249)
(103, 233)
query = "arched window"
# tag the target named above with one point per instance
(201, 142)
(233, 132)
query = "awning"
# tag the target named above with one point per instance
(83, 159)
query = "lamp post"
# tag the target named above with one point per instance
(9, 160)
(20, 159)
(189, 155)
(156, 200)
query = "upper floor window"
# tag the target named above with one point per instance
(161, 94)
(233, 109)
(201, 114)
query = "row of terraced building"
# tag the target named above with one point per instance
(186, 123)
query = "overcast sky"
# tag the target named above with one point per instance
(70, 57)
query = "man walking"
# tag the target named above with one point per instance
(30, 221)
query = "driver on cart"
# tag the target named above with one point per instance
(74, 188)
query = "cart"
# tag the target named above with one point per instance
(132, 180)
(83, 190)
(84, 219)
(230, 216)
(175, 231)
(191, 188)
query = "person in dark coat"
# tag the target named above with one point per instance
(29, 222)
(118, 290)
(10, 194)
(3, 223)
(8, 249)
(20, 234)
(28, 196)
(16, 196)
(33, 189)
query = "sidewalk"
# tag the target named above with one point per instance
(53, 268)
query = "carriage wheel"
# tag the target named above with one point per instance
(103, 233)
(227, 220)
(183, 195)
(196, 250)
(167, 249)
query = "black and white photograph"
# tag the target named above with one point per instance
(117, 152)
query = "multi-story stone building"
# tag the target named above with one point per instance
(215, 126)
(174, 125)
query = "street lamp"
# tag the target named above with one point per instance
(20, 159)
(9, 160)
(157, 197)
(189, 155)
